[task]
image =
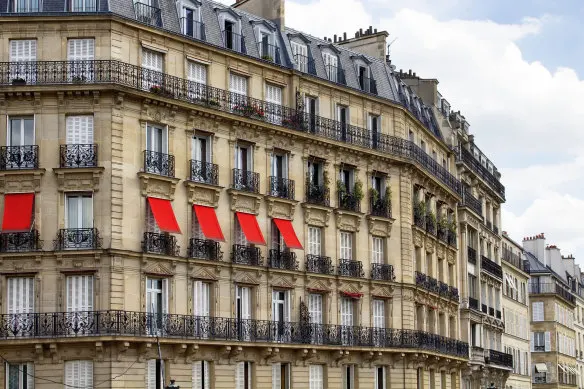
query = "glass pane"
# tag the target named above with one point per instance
(87, 212)
(15, 131)
(28, 132)
(73, 212)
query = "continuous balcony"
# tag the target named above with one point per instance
(350, 268)
(551, 288)
(382, 272)
(148, 14)
(19, 242)
(160, 243)
(246, 181)
(465, 156)
(474, 204)
(159, 163)
(319, 264)
(491, 267)
(130, 76)
(78, 239)
(285, 260)
(205, 249)
(19, 157)
(380, 206)
(282, 188)
(204, 172)
(513, 259)
(438, 287)
(246, 255)
(78, 155)
(317, 194)
(498, 358)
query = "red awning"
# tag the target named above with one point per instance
(288, 233)
(18, 208)
(164, 215)
(250, 228)
(208, 221)
(354, 295)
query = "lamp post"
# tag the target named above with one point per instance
(172, 385)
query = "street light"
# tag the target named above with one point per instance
(172, 385)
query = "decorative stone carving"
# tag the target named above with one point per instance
(430, 245)
(281, 208)
(285, 282)
(348, 221)
(450, 257)
(152, 185)
(418, 238)
(245, 201)
(380, 226)
(21, 180)
(203, 273)
(157, 268)
(323, 285)
(316, 215)
(203, 194)
(243, 277)
(382, 290)
(440, 251)
(78, 179)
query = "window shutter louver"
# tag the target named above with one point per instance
(378, 313)
(151, 374)
(346, 245)
(240, 375)
(315, 308)
(316, 377)
(276, 376)
(314, 240)
(20, 295)
(547, 341)
(197, 73)
(165, 295)
(23, 50)
(238, 84)
(377, 250)
(79, 129)
(532, 342)
(79, 293)
(346, 312)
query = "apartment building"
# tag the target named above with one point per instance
(552, 301)
(575, 279)
(516, 313)
(193, 192)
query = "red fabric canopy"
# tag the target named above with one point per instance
(164, 215)
(18, 208)
(209, 223)
(288, 233)
(251, 229)
(352, 295)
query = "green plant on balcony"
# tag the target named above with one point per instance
(358, 190)
(443, 223)
(294, 121)
(267, 58)
(421, 208)
(341, 188)
(374, 195)
(249, 110)
(452, 226)
(78, 79)
(431, 218)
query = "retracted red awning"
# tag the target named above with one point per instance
(288, 233)
(164, 215)
(208, 221)
(18, 208)
(250, 228)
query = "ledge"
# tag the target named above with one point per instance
(78, 179)
(25, 180)
(203, 194)
(380, 226)
(157, 186)
(348, 220)
(242, 201)
(281, 208)
(316, 215)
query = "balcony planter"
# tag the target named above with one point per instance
(268, 58)
(78, 79)
(159, 90)
(250, 111)
(210, 102)
(295, 122)
(18, 81)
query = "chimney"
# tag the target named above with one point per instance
(272, 10)
(536, 246)
(335, 38)
(344, 36)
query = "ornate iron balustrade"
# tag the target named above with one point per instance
(159, 163)
(468, 200)
(148, 14)
(246, 255)
(442, 233)
(319, 264)
(192, 28)
(489, 225)
(19, 157)
(304, 64)
(19, 242)
(78, 155)
(553, 288)
(269, 52)
(349, 201)
(453, 293)
(282, 187)
(126, 323)
(131, 76)
(350, 268)
(246, 180)
(500, 359)
(431, 223)
(160, 243)
(368, 85)
(419, 216)
(205, 249)
(433, 285)
(204, 172)
(473, 303)
(472, 255)
(233, 41)
(452, 238)
(380, 206)
(317, 194)
(282, 260)
(78, 239)
(462, 154)
(491, 267)
(382, 271)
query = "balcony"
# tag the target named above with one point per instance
(193, 29)
(319, 264)
(282, 188)
(78, 156)
(233, 41)
(513, 259)
(285, 260)
(317, 194)
(471, 202)
(349, 202)
(473, 303)
(159, 163)
(477, 354)
(382, 272)
(160, 243)
(368, 85)
(204, 172)
(453, 293)
(246, 255)
(246, 181)
(442, 233)
(269, 52)
(431, 223)
(304, 64)
(380, 206)
(205, 249)
(78, 239)
(500, 359)
(20, 242)
(427, 282)
(472, 255)
(148, 14)
(489, 225)
(19, 157)
(452, 238)
(491, 267)
(552, 288)
(121, 74)
(335, 74)
(350, 268)
(465, 156)
(491, 311)
(420, 216)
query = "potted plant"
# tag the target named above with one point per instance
(443, 223)
(268, 58)
(78, 78)
(341, 188)
(250, 110)
(358, 190)
(18, 81)
(156, 89)
(374, 195)
(213, 102)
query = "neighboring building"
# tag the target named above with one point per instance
(516, 313)
(479, 219)
(552, 301)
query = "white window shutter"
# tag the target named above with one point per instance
(20, 295)
(201, 378)
(240, 375)
(152, 60)
(377, 248)
(79, 293)
(532, 342)
(314, 240)
(197, 72)
(23, 50)
(276, 376)
(245, 303)
(237, 84)
(547, 341)
(346, 311)
(80, 49)
(315, 377)
(346, 245)
(165, 295)
(29, 376)
(79, 129)
(315, 308)
(378, 313)
(151, 374)
(273, 94)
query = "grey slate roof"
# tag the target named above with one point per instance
(535, 266)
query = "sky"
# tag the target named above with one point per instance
(514, 69)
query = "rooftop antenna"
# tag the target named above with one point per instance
(389, 45)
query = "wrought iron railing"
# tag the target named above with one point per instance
(160, 243)
(495, 229)
(498, 314)
(442, 233)
(431, 223)
(419, 216)
(382, 271)
(553, 288)
(246, 180)
(78, 239)
(491, 267)
(468, 200)
(286, 260)
(319, 264)
(269, 52)
(317, 194)
(350, 268)
(204, 172)
(453, 293)
(159, 163)
(192, 28)
(473, 303)
(489, 225)
(19, 157)
(18, 242)
(513, 258)
(349, 202)
(282, 187)
(78, 155)
(368, 85)
(501, 359)
(100, 323)
(380, 206)
(246, 255)
(484, 308)
(148, 14)
(491, 311)
(304, 64)
(233, 41)
(433, 285)
(205, 249)
(127, 75)
(472, 255)
(462, 154)
(452, 238)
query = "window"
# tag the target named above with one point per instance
(190, 22)
(374, 125)
(82, 5)
(243, 303)
(346, 316)
(80, 50)
(311, 110)
(25, 6)
(21, 131)
(315, 173)
(156, 302)
(154, 373)
(314, 240)
(343, 118)
(316, 377)
(541, 341)
(537, 310)
(266, 47)
(378, 308)
(243, 375)
(420, 378)
(79, 374)
(411, 136)
(79, 211)
(237, 84)
(377, 250)
(197, 76)
(331, 66)
(349, 377)
(280, 313)
(274, 96)
(80, 292)
(364, 79)
(156, 139)
(23, 50)
(20, 295)
(315, 308)
(280, 165)
(280, 376)
(231, 33)
(20, 375)
(201, 298)
(346, 245)
(201, 378)
(202, 155)
(79, 130)
(240, 238)
(300, 52)
(380, 379)
(152, 62)
(243, 179)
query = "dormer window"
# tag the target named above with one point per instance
(266, 41)
(331, 64)
(299, 44)
(26, 6)
(364, 76)
(230, 24)
(148, 11)
(190, 20)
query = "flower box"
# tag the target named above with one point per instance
(18, 81)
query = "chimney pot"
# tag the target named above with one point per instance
(410, 72)
(344, 36)
(375, 31)
(370, 29)
(335, 38)
(360, 31)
